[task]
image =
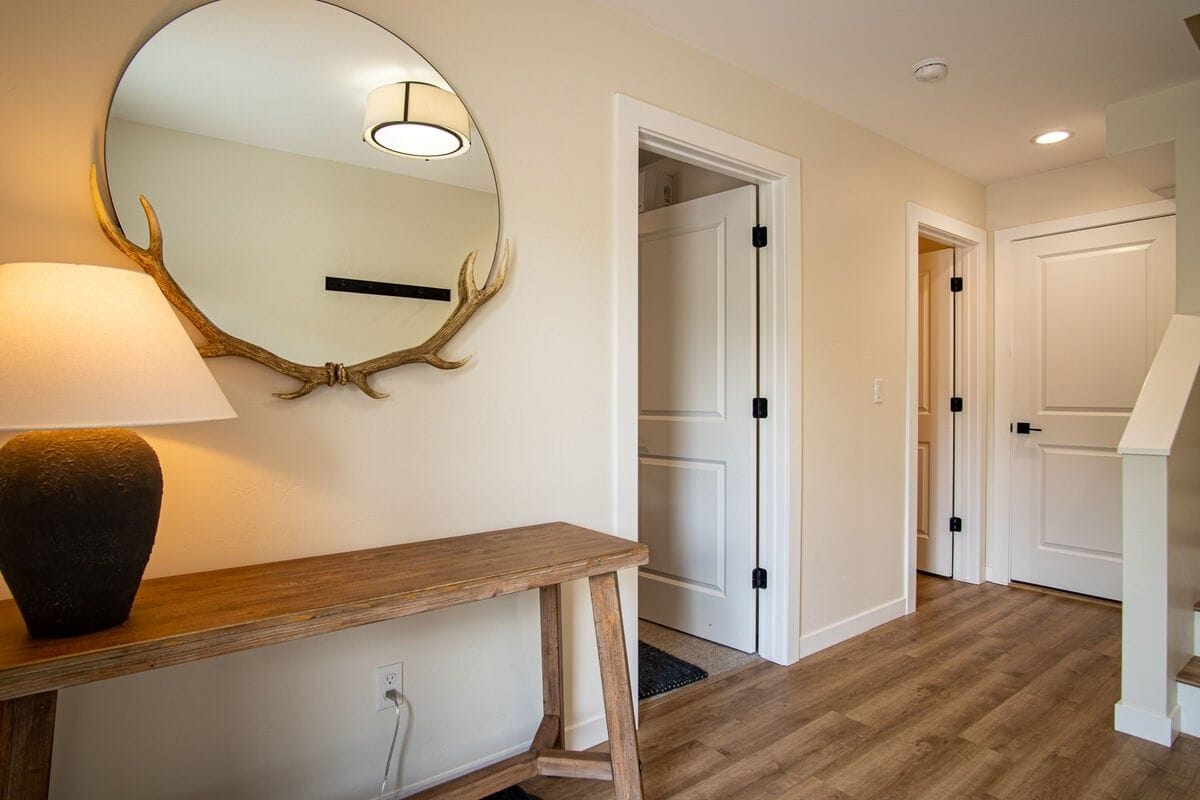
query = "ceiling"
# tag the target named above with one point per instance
(1017, 67)
(301, 89)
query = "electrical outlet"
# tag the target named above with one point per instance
(386, 679)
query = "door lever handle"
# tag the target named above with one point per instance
(1024, 427)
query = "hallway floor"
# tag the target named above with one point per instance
(985, 692)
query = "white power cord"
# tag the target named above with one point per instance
(398, 700)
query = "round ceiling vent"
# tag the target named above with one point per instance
(931, 69)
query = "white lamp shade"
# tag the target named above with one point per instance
(96, 347)
(417, 120)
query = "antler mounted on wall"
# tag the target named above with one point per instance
(219, 343)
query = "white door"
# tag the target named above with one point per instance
(1089, 310)
(697, 437)
(935, 426)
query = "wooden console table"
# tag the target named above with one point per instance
(191, 617)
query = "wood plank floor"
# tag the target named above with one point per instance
(985, 692)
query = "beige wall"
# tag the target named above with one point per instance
(1068, 192)
(523, 434)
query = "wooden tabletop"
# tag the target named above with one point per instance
(189, 617)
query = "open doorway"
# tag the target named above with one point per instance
(936, 395)
(947, 398)
(698, 423)
(705, 357)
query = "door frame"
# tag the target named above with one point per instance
(640, 125)
(999, 525)
(972, 363)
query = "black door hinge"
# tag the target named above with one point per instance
(956, 405)
(759, 408)
(758, 578)
(956, 284)
(758, 235)
(956, 524)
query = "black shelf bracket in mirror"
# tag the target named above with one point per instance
(357, 286)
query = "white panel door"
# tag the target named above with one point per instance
(1089, 311)
(935, 431)
(697, 438)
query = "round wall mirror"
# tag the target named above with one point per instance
(318, 182)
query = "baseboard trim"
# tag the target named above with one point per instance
(1158, 728)
(1189, 709)
(456, 772)
(995, 576)
(579, 736)
(586, 733)
(849, 628)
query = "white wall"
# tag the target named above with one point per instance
(252, 233)
(1068, 192)
(1172, 115)
(523, 434)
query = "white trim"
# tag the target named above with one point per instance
(586, 733)
(1196, 637)
(849, 628)
(999, 539)
(1159, 409)
(1146, 724)
(1189, 709)
(456, 772)
(640, 125)
(974, 337)
(579, 736)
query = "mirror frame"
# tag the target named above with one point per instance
(218, 343)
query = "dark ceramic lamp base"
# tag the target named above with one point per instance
(78, 514)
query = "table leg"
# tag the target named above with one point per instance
(26, 741)
(614, 677)
(552, 677)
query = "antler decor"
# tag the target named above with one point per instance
(219, 343)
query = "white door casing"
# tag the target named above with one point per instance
(697, 437)
(1089, 309)
(973, 342)
(935, 434)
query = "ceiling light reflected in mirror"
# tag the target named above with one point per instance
(417, 120)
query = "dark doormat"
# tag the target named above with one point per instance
(659, 671)
(512, 793)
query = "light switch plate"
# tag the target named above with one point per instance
(878, 386)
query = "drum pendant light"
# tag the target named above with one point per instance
(417, 120)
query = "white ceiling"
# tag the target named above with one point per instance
(1017, 67)
(290, 75)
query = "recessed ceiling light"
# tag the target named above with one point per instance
(1052, 137)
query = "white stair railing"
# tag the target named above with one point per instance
(1160, 453)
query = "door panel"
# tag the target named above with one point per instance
(682, 346)
(684, 518)
(1090, 308)
(697, 438)
(935, 439)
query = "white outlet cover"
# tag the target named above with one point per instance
(388, 677)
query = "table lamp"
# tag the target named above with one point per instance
(83, 351)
